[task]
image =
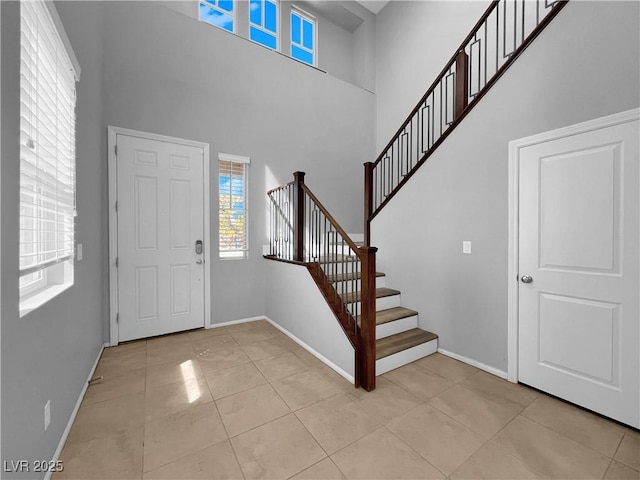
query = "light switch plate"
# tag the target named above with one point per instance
(79, 252)
(466, 246)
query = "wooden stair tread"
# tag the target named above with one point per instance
(380, 293)
(342, 277)
(402, 341)
(393, 314)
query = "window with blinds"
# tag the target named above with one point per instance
(234, 225)
(47, 156)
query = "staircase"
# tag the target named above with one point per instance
(384, 333)
(399, 340)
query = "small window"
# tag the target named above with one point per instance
(48, 75)
(220, 13)
(303, 37)
(232, 184)
(263, 22)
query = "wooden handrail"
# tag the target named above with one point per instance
(459, 64)
(333, 221)
(300, 210)
(451, 61)
(280, 187)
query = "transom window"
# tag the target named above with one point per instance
(303, 33)
(263, 22)
(221, 13)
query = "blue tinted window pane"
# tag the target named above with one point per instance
(270, 16)
(301, 55)
(307, 34)
(226, 5)
(255, 12)
(216, 17)
(295, 28)
(262, 38)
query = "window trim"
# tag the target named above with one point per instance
(304, 15)
(262, 28)
(213, 4)
(56, 275)
(246, 161)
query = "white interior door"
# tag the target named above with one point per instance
(160, 219)
(578, 246)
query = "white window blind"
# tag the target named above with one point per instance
(47, 151)
(232, 184)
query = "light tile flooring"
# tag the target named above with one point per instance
(245, 401)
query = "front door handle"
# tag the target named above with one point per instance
(199, 261)
(526, 279)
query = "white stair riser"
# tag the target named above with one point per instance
(397, 326)
(382, 303)
(350, 286)
(404, 357)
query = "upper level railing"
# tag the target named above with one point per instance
(303, 231)
(505, 29)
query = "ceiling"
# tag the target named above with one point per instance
(373, 5)
(347, 18)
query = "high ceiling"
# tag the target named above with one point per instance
(373, 5)
(341, 14)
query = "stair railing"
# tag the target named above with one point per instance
(503, 32)
(302, 231)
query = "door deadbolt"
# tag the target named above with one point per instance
(199, 247)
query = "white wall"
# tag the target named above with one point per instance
(335, 49)
(296, 304)
(48, 354)
(583, 66)
(414, 41)
(167, 73)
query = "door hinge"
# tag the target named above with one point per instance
(116, 205)
(115, 149)
(116, 262)
(117, 318)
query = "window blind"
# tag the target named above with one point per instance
(232, 182)
(47, 145)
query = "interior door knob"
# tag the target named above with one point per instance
(526, 279)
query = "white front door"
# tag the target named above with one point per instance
(578, 267)
(160, 224)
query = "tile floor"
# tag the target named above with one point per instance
(247, 402)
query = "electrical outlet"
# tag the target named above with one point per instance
(466, 246)
(79, 252)
(47, 414)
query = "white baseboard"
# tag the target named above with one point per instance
(74, 413)
(316, 354)
(319, 356)
(235, 322)
(470, 361)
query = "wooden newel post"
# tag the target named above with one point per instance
(462, 83)
(368, 201)
(368, 319)
(298, 216)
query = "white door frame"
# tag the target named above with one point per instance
(514, 179)
(113, 221)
